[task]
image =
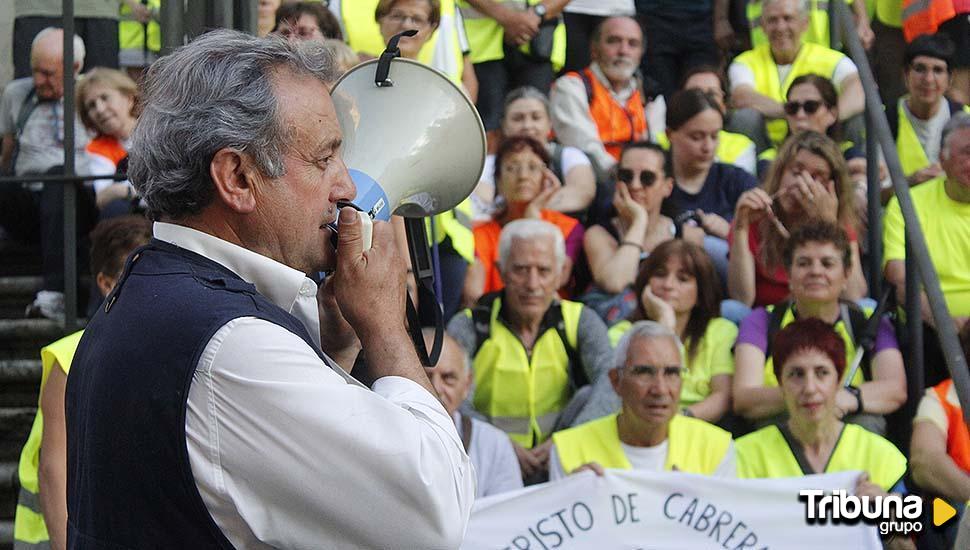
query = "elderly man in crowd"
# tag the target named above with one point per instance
(532, 351)
(943, 208)
(760, 77)
(601, 108)
(493, 457)
(32, 125)
(252, 435)
(647, 433)
(919, 118)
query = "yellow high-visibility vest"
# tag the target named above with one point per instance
(485, 35)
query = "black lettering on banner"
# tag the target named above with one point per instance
(563, 521)
(667, 505)
(535, 536)
(705, 516)
(721, 520)
(589, 515)
(689, 512)
(737, 525)
(749, 541)
(549, 533)
(619, 509)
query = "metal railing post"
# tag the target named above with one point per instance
(916, 373)
(247, 13)
(222, 14)
(873, 208)
(69, 187)
(171, 17)
(917, 251)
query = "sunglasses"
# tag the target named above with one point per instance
(647, 178)
(810, 107)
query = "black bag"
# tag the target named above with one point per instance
(540, 47)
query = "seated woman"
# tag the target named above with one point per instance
(703, 188)
(736, 149)
(678, 288)
(106, 100)
(526, 113)
(614, 248)
(808, 181)
(817, 258)
(526, 185)
(809, 362)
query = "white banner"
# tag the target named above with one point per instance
(644, 510)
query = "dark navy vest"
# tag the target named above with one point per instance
(130, 484)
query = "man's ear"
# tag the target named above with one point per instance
(232, 180)
(614, 375)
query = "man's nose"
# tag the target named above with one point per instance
(344, 188)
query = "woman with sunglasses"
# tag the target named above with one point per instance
(526, 113)
(809, 180)
(526, 185)
(615, 247)
(704, 190)
(678, 287)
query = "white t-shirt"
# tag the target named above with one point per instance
(496, 466)
(651, 459)
(740, 74)
(604, 8)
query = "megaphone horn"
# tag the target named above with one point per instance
(413, 141)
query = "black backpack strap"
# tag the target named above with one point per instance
(588, 84)
(482, 319)
(892, 116)
(775, 317)
(577, 374)
(26, 109)
(856, 326)
(556, 162)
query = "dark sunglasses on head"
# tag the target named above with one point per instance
(647, 178)
(810, 107)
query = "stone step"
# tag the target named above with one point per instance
(6, 534)
(20, 380)
(23, 338)
(15, 425)
(8, 491)
(19, 258)
(16, 292)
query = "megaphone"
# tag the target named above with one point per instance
(413, 141)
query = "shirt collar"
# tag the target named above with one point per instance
(279, 283)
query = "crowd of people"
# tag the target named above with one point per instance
(662, 266)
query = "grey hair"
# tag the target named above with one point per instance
(958, 121)
(428, 333)
(801, 5)
(529, 229)
(214, 93)
(79, 51)
(642, 329)
(525, 92)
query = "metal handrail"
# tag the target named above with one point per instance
(919, 267)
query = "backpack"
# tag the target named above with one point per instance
(482, 322)
(856, 326)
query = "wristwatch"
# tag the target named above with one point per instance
(541, 11)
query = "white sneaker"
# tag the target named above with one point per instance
(48, 304)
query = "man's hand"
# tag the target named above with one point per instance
(528, 463)
(541, 454)
(519, 26)
(723, 34)
(369, 284)
(925, 174)
(337, 338)
(592, 467)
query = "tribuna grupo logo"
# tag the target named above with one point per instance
(890, 514)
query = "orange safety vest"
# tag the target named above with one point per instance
(108, 147)
(486, 244)
(957, 437)
(925, 16)
(617, 124)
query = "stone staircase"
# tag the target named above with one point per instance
(20, 368)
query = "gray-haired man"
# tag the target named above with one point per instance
(207, 407)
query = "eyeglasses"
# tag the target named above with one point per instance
(304, 33)
(810, 107)
(647, 178)
(403, 18)
(922, 69)
(651, 373)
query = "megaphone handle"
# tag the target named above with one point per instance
(366, 230)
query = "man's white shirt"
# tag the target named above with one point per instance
(289, 451)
